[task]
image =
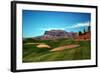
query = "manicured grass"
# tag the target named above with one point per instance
(33, 54)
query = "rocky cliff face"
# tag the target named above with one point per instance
(57, 34)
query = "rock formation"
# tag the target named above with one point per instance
(57, 34)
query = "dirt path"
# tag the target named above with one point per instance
(64, 47)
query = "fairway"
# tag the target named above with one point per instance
(32, 53)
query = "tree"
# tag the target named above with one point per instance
(80, 33)
(89, 28)
(84, 31)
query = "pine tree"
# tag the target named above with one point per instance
(80, 33)
(89, 28)
(84, 31)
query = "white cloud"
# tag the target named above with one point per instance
(67, 27)
(80, 25)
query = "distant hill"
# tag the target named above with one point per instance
(56, 34)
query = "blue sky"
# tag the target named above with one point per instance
(35, 23)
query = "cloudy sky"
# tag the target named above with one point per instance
(35, 23)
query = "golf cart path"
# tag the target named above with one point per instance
(64, 47)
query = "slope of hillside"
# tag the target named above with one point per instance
(32, 53)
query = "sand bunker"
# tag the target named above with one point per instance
(43, 46)
(64, 47)
(39, 45)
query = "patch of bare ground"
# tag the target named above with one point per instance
(64, 47)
